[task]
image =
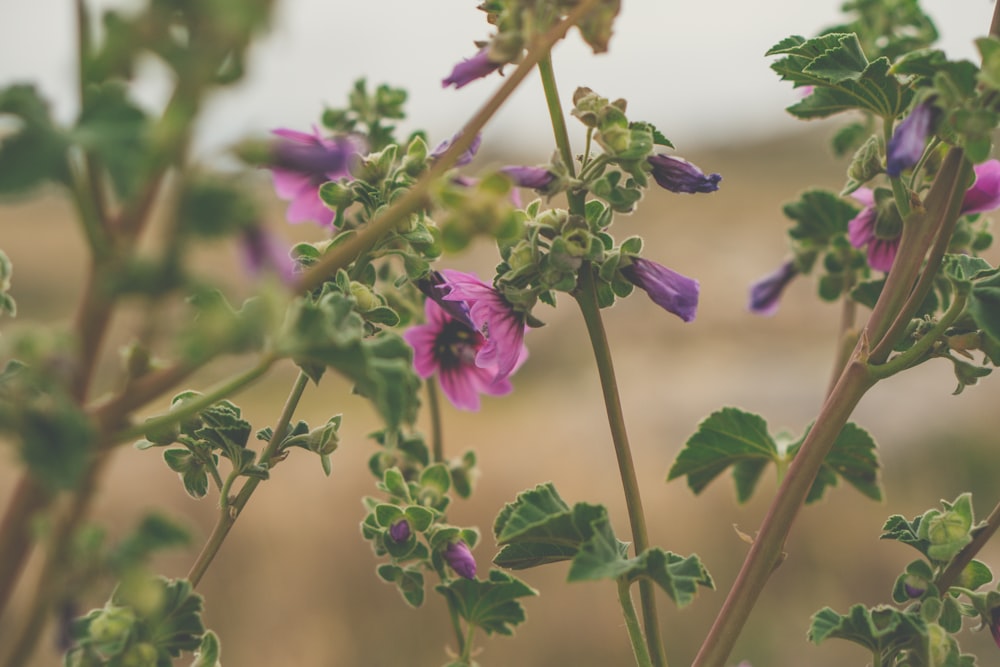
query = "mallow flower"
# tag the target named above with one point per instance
(471, 69)
(880, 238)
(302, 162)
(449, 347)
(459, 557)
(984, 195)
(493, 317)
(668, 289)
(536, 178)
(909, 139)
(464, 158)
(678, 175)
(766, 292)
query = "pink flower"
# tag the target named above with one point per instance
(262, 251)
(984, 195)
(861, 231)
(301, 163)
(448, 347)
(493, 317)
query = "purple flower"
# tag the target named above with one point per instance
(862, 232)
(471, 69)
(995, 625)
(459, 557)
(301, 162)
(766, 292)
(262, 251)
(908, 141)
(984, 195)
(668, 289)
(679, 175)
(450, 348)
(464, 158)
(400, 531)
(536, 178)
(493, 317)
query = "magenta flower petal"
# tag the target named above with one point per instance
(668, 289)
(459, 557)
(493, 317)
(470, 69)
(984, 195)
(301, 163)
(679, 175)
(449, 348)
(861, 233)
(909, 139)
(766, 292)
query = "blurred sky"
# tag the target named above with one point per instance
(695, 69)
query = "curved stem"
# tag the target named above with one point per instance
(586, 297)
(229, 512)
(916, 353)
(193, 407)
(642, 658)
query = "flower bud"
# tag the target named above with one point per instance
(400, 531)
(459, 557)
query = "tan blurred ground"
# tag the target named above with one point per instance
(295, 583)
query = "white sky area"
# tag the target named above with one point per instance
(695, 69)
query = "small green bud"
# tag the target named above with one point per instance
(110, 629)
(142, 654)
(366, 299)
(865, 165)
(325, 439)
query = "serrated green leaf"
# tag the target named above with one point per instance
(491, 604)
(984, 303)
(820, 215)
(115, 130)
(600, 556)
(882, 630)
(530, 510)
(209, 651)
(35, 152)
(409, 582)
(726, 438)
(678, 576)
(853, 458)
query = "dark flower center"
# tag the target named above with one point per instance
(456, 345)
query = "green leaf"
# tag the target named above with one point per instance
(409, 581)
(842, 76)
(820, 215)
(193, 471)
(882, 630)
(115, 130)
(853, 458)
(154, 533)
(727, 438)
(491, 605)
(209, 652)
(984, 303)
(35, 152)
(974, 575)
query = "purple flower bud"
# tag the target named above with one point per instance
(984, 195)
(677, 175)
(908, 141)
(399, 531)
(459, 557)
(536, 178)
(766, 292)
(995, 625)
(471, 69)
(668, 289)
(913, 592)
(464, 158)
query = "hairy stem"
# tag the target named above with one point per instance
(230, 511)
(434, 407)
(586, 297)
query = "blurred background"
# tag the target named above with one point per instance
(295, 583)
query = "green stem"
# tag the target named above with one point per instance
(586, 297)
(456, 625)
(229, 512)
(919, 231)
(343, 254)
(434, 407)
(193, 407)
(466, 656)
(917, 352)
(639, 648)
